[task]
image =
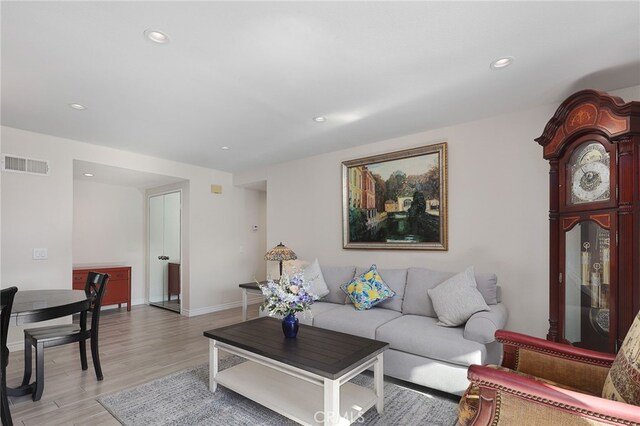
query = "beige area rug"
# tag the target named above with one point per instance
(183, 398)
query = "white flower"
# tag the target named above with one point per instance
(287, 295)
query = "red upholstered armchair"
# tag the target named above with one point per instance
(545, 383)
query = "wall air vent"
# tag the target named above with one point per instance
(14, 163)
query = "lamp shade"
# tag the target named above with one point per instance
(280, 253)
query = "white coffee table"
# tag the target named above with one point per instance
(306, 379)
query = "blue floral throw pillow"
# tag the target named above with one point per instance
(367, 289)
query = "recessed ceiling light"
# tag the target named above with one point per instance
(88, 174)
(156, 36)
(79, 107)
(225, 148)
(320, 119)
(501, 63)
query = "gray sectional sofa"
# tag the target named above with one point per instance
(420, 351)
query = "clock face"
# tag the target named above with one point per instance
(589, 173)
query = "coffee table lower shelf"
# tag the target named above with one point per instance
(307, 379)
(296, 399)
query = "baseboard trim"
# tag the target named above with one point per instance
(218, 308)
(134, 302)
(210, 309)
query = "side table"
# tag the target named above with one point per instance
(252, 287)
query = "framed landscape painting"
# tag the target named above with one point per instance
(396, 200)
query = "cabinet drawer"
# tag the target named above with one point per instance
(117, 292)
(80, 276)
(118, 275)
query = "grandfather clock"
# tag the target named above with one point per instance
(593, 146)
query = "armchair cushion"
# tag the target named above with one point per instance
(623, 381)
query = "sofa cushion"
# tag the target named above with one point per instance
(316, 309)
(396, 279)
(334, 277)
(367, 289)
(307, 317)
(416, 298)
(360, 323)
(456, 299)
(420, 335)
(419, 280)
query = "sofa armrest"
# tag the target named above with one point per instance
(574, 367)
(482, 326)
(520, 400)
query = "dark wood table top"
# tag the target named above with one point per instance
(41, 305)
(253, 285)
(326, 353)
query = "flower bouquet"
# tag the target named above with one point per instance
(286, 297)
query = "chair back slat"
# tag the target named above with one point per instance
(96, 286)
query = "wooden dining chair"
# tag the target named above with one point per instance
(6, 301)
(56, 335)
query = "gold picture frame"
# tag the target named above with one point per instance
(396, 201)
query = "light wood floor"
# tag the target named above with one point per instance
(135, 347)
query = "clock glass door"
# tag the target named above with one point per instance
(587, 273)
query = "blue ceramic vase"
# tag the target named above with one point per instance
(290, 326)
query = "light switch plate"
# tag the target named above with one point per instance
(40, 254)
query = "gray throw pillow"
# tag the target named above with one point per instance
(456, 299)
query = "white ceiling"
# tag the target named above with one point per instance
(118, 176)
(253, 75)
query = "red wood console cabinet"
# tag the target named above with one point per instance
(118, 287)
(592, 144)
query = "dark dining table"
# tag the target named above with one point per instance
(31, 306)
(41, 305)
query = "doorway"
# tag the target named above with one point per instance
(164, 250)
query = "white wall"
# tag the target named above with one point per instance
(498, 208)
(108, 228)
(37, 211)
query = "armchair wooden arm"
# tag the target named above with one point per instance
(514, 341)
(505, 398)
(572, 367)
